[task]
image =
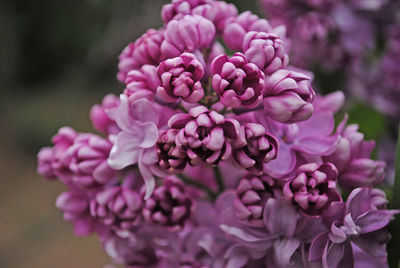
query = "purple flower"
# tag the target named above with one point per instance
(89, 154)
(280, 236)
(391, 70)
(288, 96)
(331, 102)
(188, 34)
(275, 8)
(237, 27)
(75, 205)
(313, 188)
(320, 4)
(354, 222)
(179, 8)
(315, 27)
(145, 50)
(169, 205)
(171, 157)
(279, 241)
(136, 251)
(216, 11)
(205, 135)
(180, 78)
(386, 82)
(45, 160)
(266, 50)
(332, 34)
(357, 32)
(237, 82)
(393, 33)
(100, 120)
(135, 144)
(368, 5)
(311, 42)
(252, 194)
(352, 159)
(143, 81)
(378, 199)
(311, 138)
(151, 189)
(363, 259)
(224, 12)
(254, 147)
(61, 158)
(119, 207)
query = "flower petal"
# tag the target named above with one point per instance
(125, 151)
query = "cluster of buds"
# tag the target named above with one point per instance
(215, 160)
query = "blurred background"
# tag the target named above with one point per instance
(57, 59)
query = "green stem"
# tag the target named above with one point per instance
(219, 179)
(198, 185)
(183, 109)
(394, 227)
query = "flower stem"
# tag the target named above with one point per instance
(183, 109)
(219, 179)
(198, 185)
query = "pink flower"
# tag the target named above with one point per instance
(288, 96)
(88, 161)
(224, 12)
(354, 222)
(145, 50)
(100, 120)
(45, 159)
(237, 82)
(311, 138)
(237, 27)
(158, 189)
(352, 158)
(313, 188)
(254, 147)
(205, 135)
(118, 207)
(277, 240)
(136, 251)
(314, 27)
(252, 194)
(135, 144)
(171, 157)
(179, 8)
(169, 205)
(180, 78)
(321, 4)
(188, 34)
(216, 11)
(266, 50)
(61, 159)
(75, 205)
(143, 81)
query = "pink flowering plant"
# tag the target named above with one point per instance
(218, 153)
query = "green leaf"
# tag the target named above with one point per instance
(394, 228)
(372, 123)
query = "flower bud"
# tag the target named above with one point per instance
(237, 82)
(180, 78)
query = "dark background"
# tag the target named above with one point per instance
(57, 59)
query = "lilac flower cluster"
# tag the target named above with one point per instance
(378, 83)
(345, 38)
(209, 159)
(332, 34)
